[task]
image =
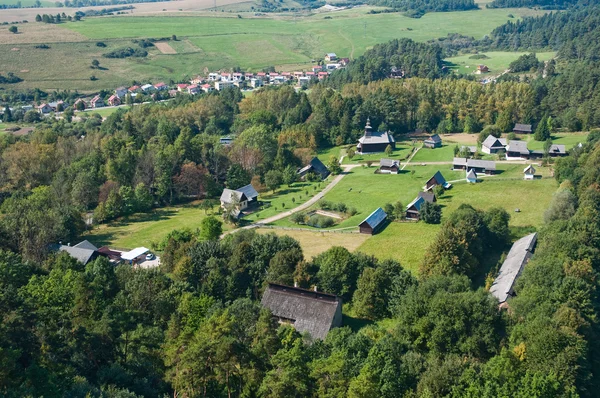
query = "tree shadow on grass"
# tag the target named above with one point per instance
(355, 323)
(156, 215)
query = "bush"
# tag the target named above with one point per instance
(431, 213)
(126, 52)
(319, 221)
(298, 218)
(100, 44)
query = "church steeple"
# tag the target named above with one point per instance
(368, 128)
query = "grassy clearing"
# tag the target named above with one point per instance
(143, 229)
(569, 140)
(104, 112)
(217, 42)
(498, 61)
(314, 243)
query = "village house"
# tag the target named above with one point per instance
(396, 73)
(373, 223)
(307, 311)
(113, 100)
(223, 84)
(182, 87)
(147, 88)
(197, 80)
(493, 145)
(207, 88)
(553, 151)
(78, 101)
(44, 109)
(256, 83)
(315, 166)
(518, 256)
(134, 89)
(413, 210)
(433, 141)
(517, 150)
(304, 81)
(471, 176)
(332, 66)
(121, 92)
(344, 61)
(482, 69)
(97, 102)
(243, 197)
(241, 84)
(389, 166)
(477, 165)
(330, 57)
(437, 179)
(322, 75)
(84, 251)
(374, 141)
(161, 86)
(213, 77)
(522, 129)
(193, 89)
(529, 173)
(300, 74)
(225, 76)
(316, 68)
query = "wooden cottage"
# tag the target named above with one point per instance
(433, 141)
(374, 141)
(471, 176)
(389, 166)
(553, 151)
(245, 197)
(373, 223)
(479, 166)
(413, 210)
(493, 145)
(518, 256)
(522, 129)
(482, 69)
(307, 311)
(517, 150)
(315, 166)
(437, 179)
(529, 173)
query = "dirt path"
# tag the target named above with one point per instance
(410, 158)
(303, 206)
(351, 56)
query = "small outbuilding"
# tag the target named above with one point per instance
(373, 223)
(522, 128)
(389, 166)
(529, 173)
(437, 179)
(413, 210)
(314, 166)
(517, 258)
(471, 176)
(433, 141)
(553, 151)
(307, 311)
(135, 255)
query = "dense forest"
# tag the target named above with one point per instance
(544, 4)
(416, 8)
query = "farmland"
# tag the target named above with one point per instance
(214, 42)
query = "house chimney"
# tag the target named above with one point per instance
(295, 284)
(315, 288)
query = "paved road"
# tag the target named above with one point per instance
(303, 206)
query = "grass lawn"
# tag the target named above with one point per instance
(104, 112)
(217, 42)
(569, 140)
(325, 154)
(144, 229)
(498, 61)
(314, 243)
(443, 154)
(401, 152)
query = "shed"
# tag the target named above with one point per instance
(433, 141)
(373, 223)
(516, 150)
(134, 254)
(307, 311)
(553, 151)
(522, 128)
(389, 166)
(519, 254)
(471, 176)
(413, 210)
(529, 173)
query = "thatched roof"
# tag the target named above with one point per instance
(307, 310)
(517, 257)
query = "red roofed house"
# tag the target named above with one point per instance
(113, 100)
(134, 89)
(207, 88)
(44, 108)
(193, 89)
(317, 68)
(182, 87)
(78, 101)
(322, 75)
(97, 102)
(161, 86)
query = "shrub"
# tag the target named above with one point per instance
(298, 218)
(319, 221)
(126, 52)
(100, 44)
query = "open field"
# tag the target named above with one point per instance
(104, 112)
(314, 243)
(498, 61)
(144, 229)
(215, 42)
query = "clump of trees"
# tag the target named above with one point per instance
(126, 53)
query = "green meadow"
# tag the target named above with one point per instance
(497, 61)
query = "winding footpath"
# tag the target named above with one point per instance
(301, 207)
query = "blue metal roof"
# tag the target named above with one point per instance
(439, 178)
(375, 218)
(249, 191)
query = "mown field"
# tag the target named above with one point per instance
(498, 61)
(215, 42)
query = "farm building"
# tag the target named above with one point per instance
(374, 141)
(482, 69)
(493, 145)
(518, 256)
(307, 311)
(373, 223)
(413, 209)
(245, 197)
(529, 173)
(553, 151)
(471, 176)
(314, 166)
(479, 166)
(522, 128)
(330, 57)
(44, 108)
(517, 150)
(437, 179)
(389, 166)
(84, 251)
(433, 141)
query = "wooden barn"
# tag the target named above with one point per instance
(389, 166)
(471, 176)
(314, 166)
(477, 165)
(308, 311)
(493, 145)
(373, 223)
(529, 173)
(517, 150)
(522, 129)
(413, 210)
(437, 179)
(433, 141)
(374, 141)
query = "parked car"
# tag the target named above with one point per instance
(149, 256)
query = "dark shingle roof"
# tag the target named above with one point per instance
(389, 163)
(517, 257)
(375, 218)
(493, 142)
(249, 191)
(427, 196)
(82, 255)
(86, 244)
(318, 167)
(434, 139)
(471, 175)
(309, 311)
(522, 127)
(439, 178)
(229, 195)
(477, 163)
(517, 146)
